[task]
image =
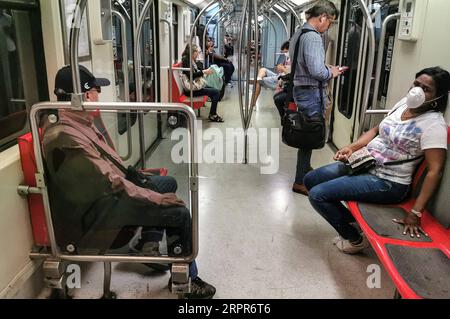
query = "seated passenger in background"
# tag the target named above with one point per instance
(228, 46)
(269, 79)
(211, 57)
(413, 130)
(91, 194)
(198, 71)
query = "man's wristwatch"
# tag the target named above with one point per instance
(417, 213)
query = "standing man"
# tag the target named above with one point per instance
(312, 75)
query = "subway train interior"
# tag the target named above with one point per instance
(107, 229)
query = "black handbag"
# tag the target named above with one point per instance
(360, 162)
(302, 132)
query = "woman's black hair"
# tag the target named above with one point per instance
(441, 80)
(285, 46)
(323, 6)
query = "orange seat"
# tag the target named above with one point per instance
(178, 95)
(35, 202)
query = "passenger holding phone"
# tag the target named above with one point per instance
(312, 75)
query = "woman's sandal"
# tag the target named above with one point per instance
(215, 118)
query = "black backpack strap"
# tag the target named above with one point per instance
(290, 88)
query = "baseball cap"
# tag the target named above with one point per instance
(63, 80)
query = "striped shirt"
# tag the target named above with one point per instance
(310, 68)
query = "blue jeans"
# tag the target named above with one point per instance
(309, 103)
(329, 185)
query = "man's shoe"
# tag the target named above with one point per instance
(199, 289)
(300, 189)
(345, 246)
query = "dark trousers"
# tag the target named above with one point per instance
(280, 102)
(228, 70)
(212, 93)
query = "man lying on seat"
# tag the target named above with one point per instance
(90, 193)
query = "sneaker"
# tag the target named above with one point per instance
(345, 246)
(337, 239)
(199, 289)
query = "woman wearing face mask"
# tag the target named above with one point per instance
(414, 130)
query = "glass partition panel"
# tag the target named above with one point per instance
(100, 205)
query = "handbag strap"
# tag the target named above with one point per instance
(104, 153)
(403, 161)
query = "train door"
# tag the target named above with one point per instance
(352, 52)
(23, 80)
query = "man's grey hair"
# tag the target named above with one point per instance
(321, 7)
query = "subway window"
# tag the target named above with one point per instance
(23, 79)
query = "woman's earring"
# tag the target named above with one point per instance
(434, 104)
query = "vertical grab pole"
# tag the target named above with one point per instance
(376, 89)
(138, 23)
(276, 34)
(123, 9)
(371, 60)
(240, 44)
(206, 29)
(74, 39)
(282, 21)
(126, 80)
(293, 12)
(169, 24)
(253, 9)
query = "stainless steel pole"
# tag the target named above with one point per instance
(169, 24)
(282, 21)
(138, 22)
(191, 75)
(376, 89)
(293, 12)
(370, 62)
(74, 39)
(126, 80)
(276, 34)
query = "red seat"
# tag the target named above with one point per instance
(178, 95)
(35, 202)
(432, 255)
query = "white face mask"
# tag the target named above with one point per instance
(415, 98)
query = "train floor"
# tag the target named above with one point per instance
(258, 239)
